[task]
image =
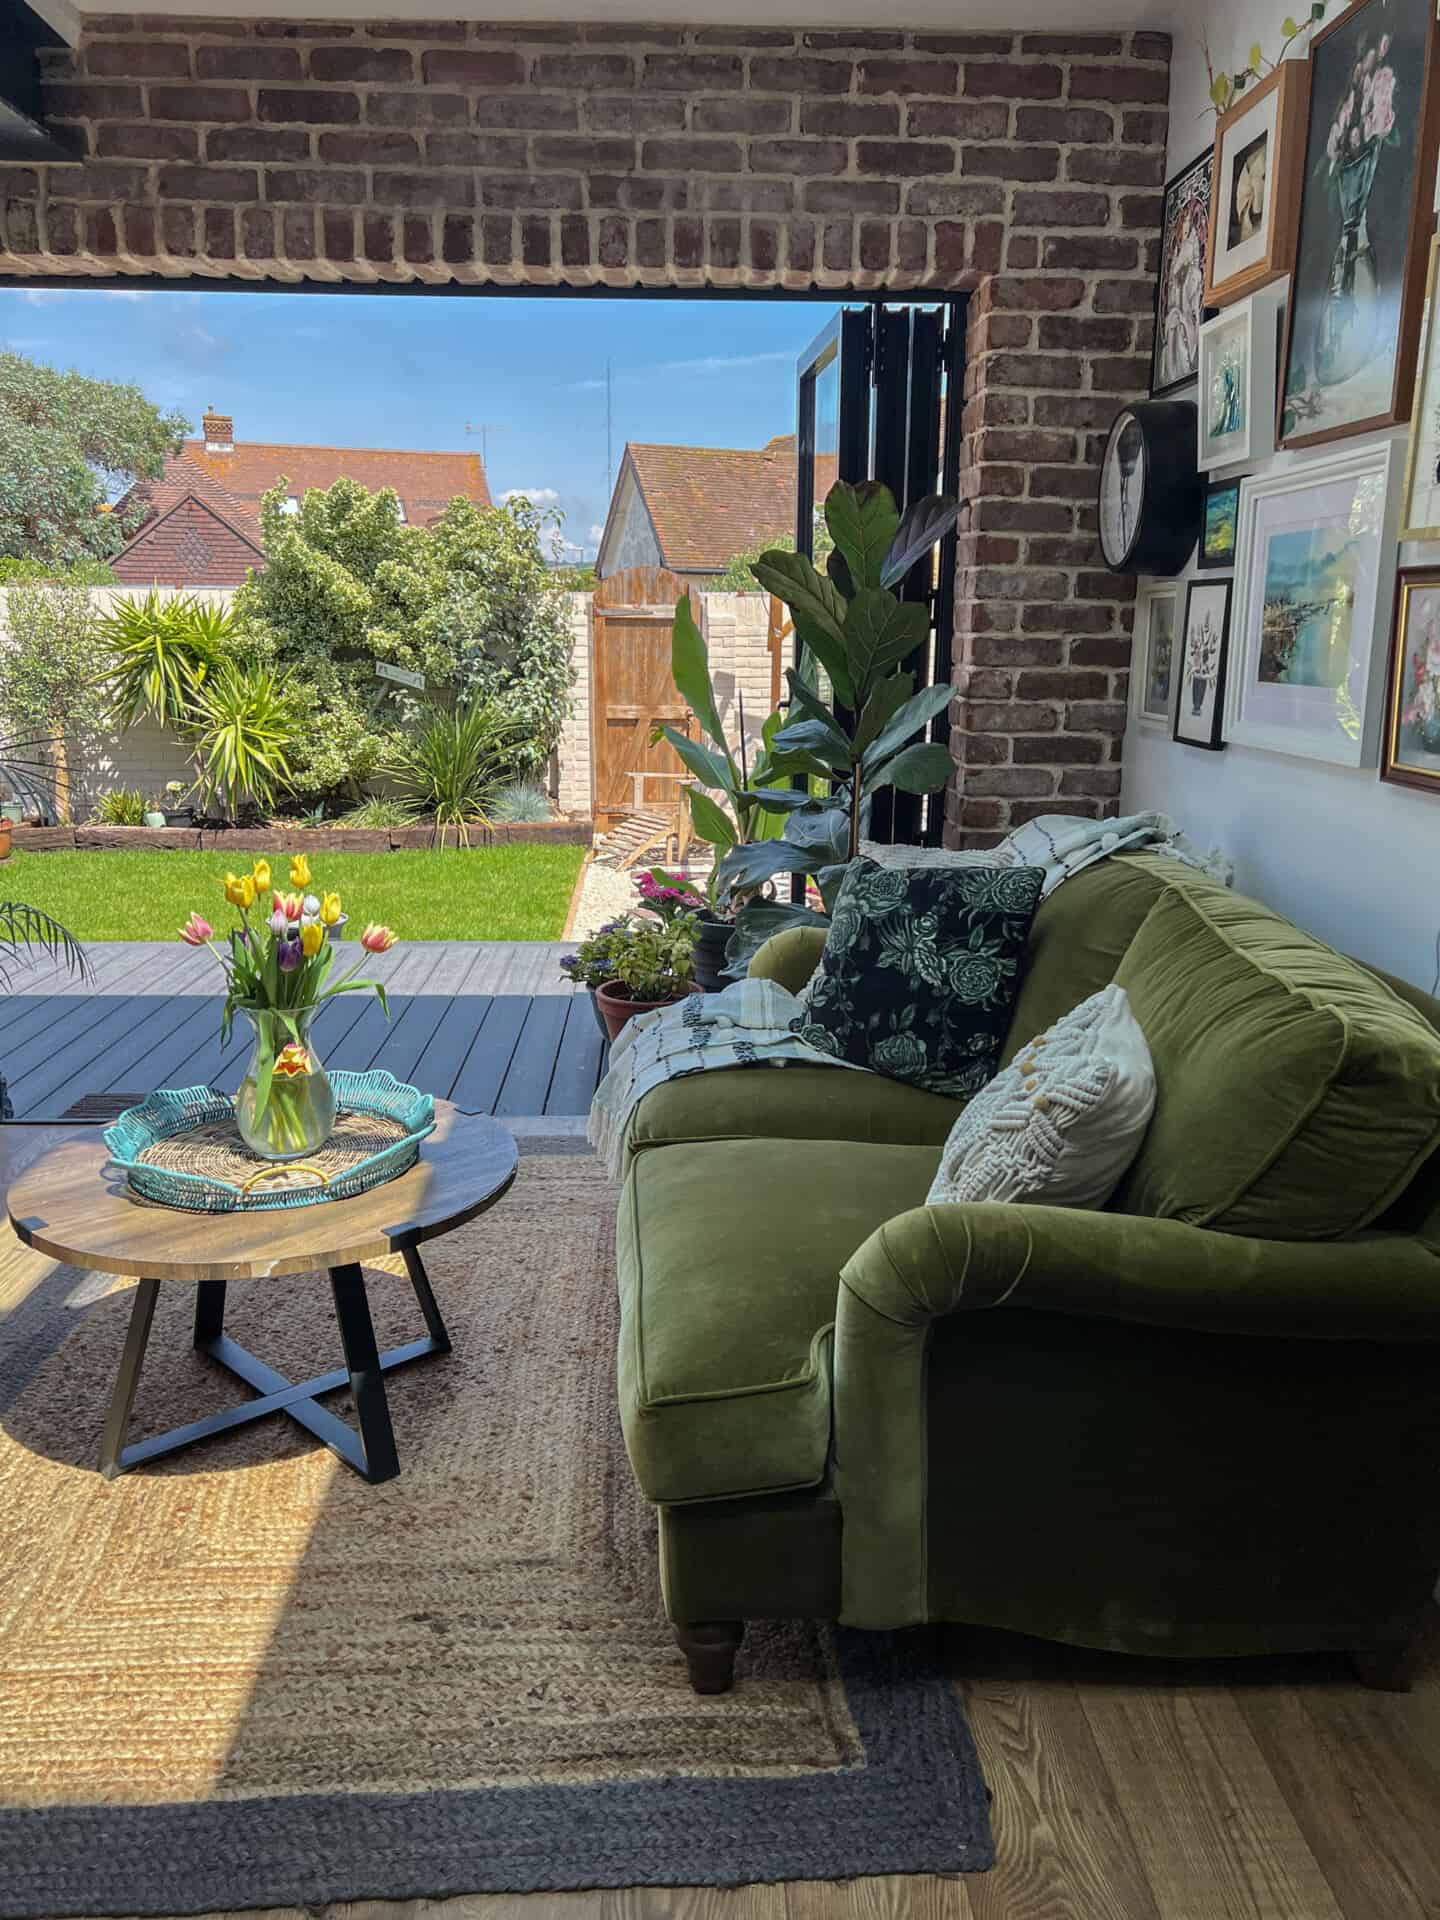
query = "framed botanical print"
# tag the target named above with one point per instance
(1218, 518)
(1204, 650)
(1237, 381)
(1256, 188)
(1152, 670)
(1357, 289)
(1420, 519)
(1410, 744)
(1180, 290)
(1315, 559)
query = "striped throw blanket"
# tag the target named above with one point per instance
(745, 1025)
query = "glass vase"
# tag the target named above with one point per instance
(1350, 312)
(296, 1114)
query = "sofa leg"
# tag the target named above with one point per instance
(709, 1647)
(1390, 1668)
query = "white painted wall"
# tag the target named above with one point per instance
(1340, 852)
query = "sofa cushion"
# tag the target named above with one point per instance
(729, 1258)
(792, 1102)
(1296, 1093)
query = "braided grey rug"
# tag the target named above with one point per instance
(244, 1678)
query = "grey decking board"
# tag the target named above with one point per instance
(577, 1063)
(442, 1061)
(478, 1083)
(526, 1085)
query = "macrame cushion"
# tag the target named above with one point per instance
(1063, 1121)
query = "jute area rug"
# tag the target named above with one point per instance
(245, 1678)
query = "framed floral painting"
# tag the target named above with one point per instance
(1152, 671)
(1357, 289)
(1204, 656)
(1421, 518)
(1180, 289)
(1256, 185)
(1315, 559)
(1410, 748)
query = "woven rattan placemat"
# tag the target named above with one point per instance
(216, 1152)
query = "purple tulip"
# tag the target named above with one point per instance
(289, 955)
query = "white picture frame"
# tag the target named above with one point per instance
(1420, 519)
(1155, 655)
(1315, 574)
(1236, 394)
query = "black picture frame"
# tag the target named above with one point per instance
(1222, 561)
(1208, 735)
(1184, 241)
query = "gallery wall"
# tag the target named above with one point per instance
(1354, 859)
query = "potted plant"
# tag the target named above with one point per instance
(277, 969)
(633, 966)
(155, 812)
(669, 895)
(172, 814)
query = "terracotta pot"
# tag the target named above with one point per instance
(616, 1008)
(7, 828)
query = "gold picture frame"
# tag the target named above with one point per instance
(1255, 192)
(1412, 722)
(1420, 519)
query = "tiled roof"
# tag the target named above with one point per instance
(198, 535)
(425, 482)
(709, 503)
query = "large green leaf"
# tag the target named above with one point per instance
(711, 769)
(786, 765)
(886, 699)
(816, 604)
(929, 519)
(778, 799)
(863, 522)
(804, 696)
(825, 828)
(919, 769)
(907, 721)
(711, 822)
(750, 866)
(690, 670)
(818, 737)
(758, 921)
(879, 632)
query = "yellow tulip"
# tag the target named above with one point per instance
(330, 909)
(299, 871)
(240, 892)
(312, 938)
(260, 874)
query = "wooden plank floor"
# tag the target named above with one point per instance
(493, 1025)
(1125, 1790)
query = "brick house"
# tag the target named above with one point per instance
(1022, 167)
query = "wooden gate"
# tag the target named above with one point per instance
(631, 692)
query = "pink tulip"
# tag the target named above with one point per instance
(278, 923)
(196, 931)
(378, 939)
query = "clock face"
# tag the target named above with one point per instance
(1122, 488)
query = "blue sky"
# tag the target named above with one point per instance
(390, 371)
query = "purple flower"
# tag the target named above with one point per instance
(289, 955)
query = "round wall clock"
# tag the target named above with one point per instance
(1150, 488)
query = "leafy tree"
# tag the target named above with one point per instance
(49, 688)
(468, 603)
(739, 574)
(68, 446)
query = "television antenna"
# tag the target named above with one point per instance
(483, 428)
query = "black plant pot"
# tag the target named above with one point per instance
(712, 937)
(179, 817)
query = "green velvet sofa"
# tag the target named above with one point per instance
(1204, 1420)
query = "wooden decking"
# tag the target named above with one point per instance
(493, 1026)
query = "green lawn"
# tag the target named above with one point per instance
(496, 893)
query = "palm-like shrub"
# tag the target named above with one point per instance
(240, 728)
(121, 807)
(161, 654)
(455, 764)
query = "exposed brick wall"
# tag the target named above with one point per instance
(1023, 167)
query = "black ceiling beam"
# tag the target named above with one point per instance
(23, 134)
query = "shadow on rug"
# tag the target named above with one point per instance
(245, 1678)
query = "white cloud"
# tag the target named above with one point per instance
(597, 533)
(707, 363)
(40, 296)
(541, 497)
(47, 296)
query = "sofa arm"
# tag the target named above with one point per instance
(790, 957)
(932, 1262)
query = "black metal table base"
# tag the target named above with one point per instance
(371, 1451)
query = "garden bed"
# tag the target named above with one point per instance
(272, 840)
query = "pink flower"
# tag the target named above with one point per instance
(196, 931)
(1378, 110)
(378, 939)
(1384, 46)
(278, 923)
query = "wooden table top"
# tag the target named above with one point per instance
(71, 1204)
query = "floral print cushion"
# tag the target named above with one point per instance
(920, 971)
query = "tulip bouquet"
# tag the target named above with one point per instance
(277, 961)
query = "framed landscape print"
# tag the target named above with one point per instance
(1180, 292)
(1218, 521)
(1152, 671)
(1237, 381)
(1365, 207)
(1315, 559)
(1256, 187)
(1421, 517)
(1410, 748)
(1203, 658)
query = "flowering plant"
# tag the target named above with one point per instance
(668, 894)
(1365, 117)
(644, 959)
(277, 962)
(1423, 708)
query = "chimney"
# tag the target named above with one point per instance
(219, 431)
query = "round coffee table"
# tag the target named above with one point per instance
(72, 1205)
